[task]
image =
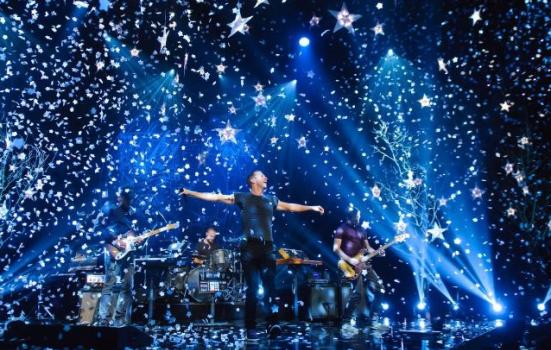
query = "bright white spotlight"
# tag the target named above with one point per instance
(390, 53)
(81, 4)
(260, 290)
(499, 323)
(304, 41)
(456, 306)
(384, 306)
(421, 305)
(541, 306)
(497, 307)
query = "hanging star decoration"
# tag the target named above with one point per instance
(475, 16)
(301, 142)
(425, 101)
(505, 106)
(436, 232)
(376, 191)
(378, 29)
(260, 2)
(442, 66)
(239, 24)
(315, 21)
(227, 133)
(259, 100)
(345, 19)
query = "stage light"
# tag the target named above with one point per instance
(421, 305)
(497, 307)
(456, 306)
(304, 41)
(422, 323)
(260, 290)
(386, 322)
(499, 323)
(541, 307)
(390, 53)
(384, 306)
(81, 4)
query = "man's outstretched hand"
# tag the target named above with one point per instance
(319, 209)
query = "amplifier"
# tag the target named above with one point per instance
(322, 302)
(95, 279)
(89, 298)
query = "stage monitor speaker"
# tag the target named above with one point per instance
(322, 302)
(89, 300)
(70, 336)
(507, 337)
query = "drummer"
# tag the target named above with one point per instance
(205, 246)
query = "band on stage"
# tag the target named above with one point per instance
(254, 261)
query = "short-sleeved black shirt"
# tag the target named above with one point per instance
(203, 249)
(256, 214)
(352, 239)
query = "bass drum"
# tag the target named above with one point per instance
(201, 283)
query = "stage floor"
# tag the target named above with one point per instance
(304, 335)
(315, 336)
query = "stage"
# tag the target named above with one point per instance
(351, 174)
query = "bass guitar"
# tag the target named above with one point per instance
(352, 272)
(125, 245)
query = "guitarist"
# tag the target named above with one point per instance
(116, 294)
(351, 240)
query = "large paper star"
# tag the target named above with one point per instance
(344, 19)
(436, 232)
(239, 24)
(425, 101)
(227, 133)
(475, 16)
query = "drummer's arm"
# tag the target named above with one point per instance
(209, 197)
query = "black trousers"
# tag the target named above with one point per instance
(259, 264)
(364, 295)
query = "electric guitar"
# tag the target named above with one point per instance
(130, 243)
(353, 272)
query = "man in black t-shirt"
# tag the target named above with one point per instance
(205, 246)
(257, 256)
(351, 240)
(116, 295)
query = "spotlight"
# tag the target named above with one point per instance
(81, 4)
(304, 41)
(541, 306)
(421, 305)
(390, 53)
(499, 323)
(422, 324)
(384, 306)
(455, 306)
(497, 307)
(260, 290)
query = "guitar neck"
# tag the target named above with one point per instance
(151, 233)
(375, 253)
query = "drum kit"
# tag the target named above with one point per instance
(220, 277)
